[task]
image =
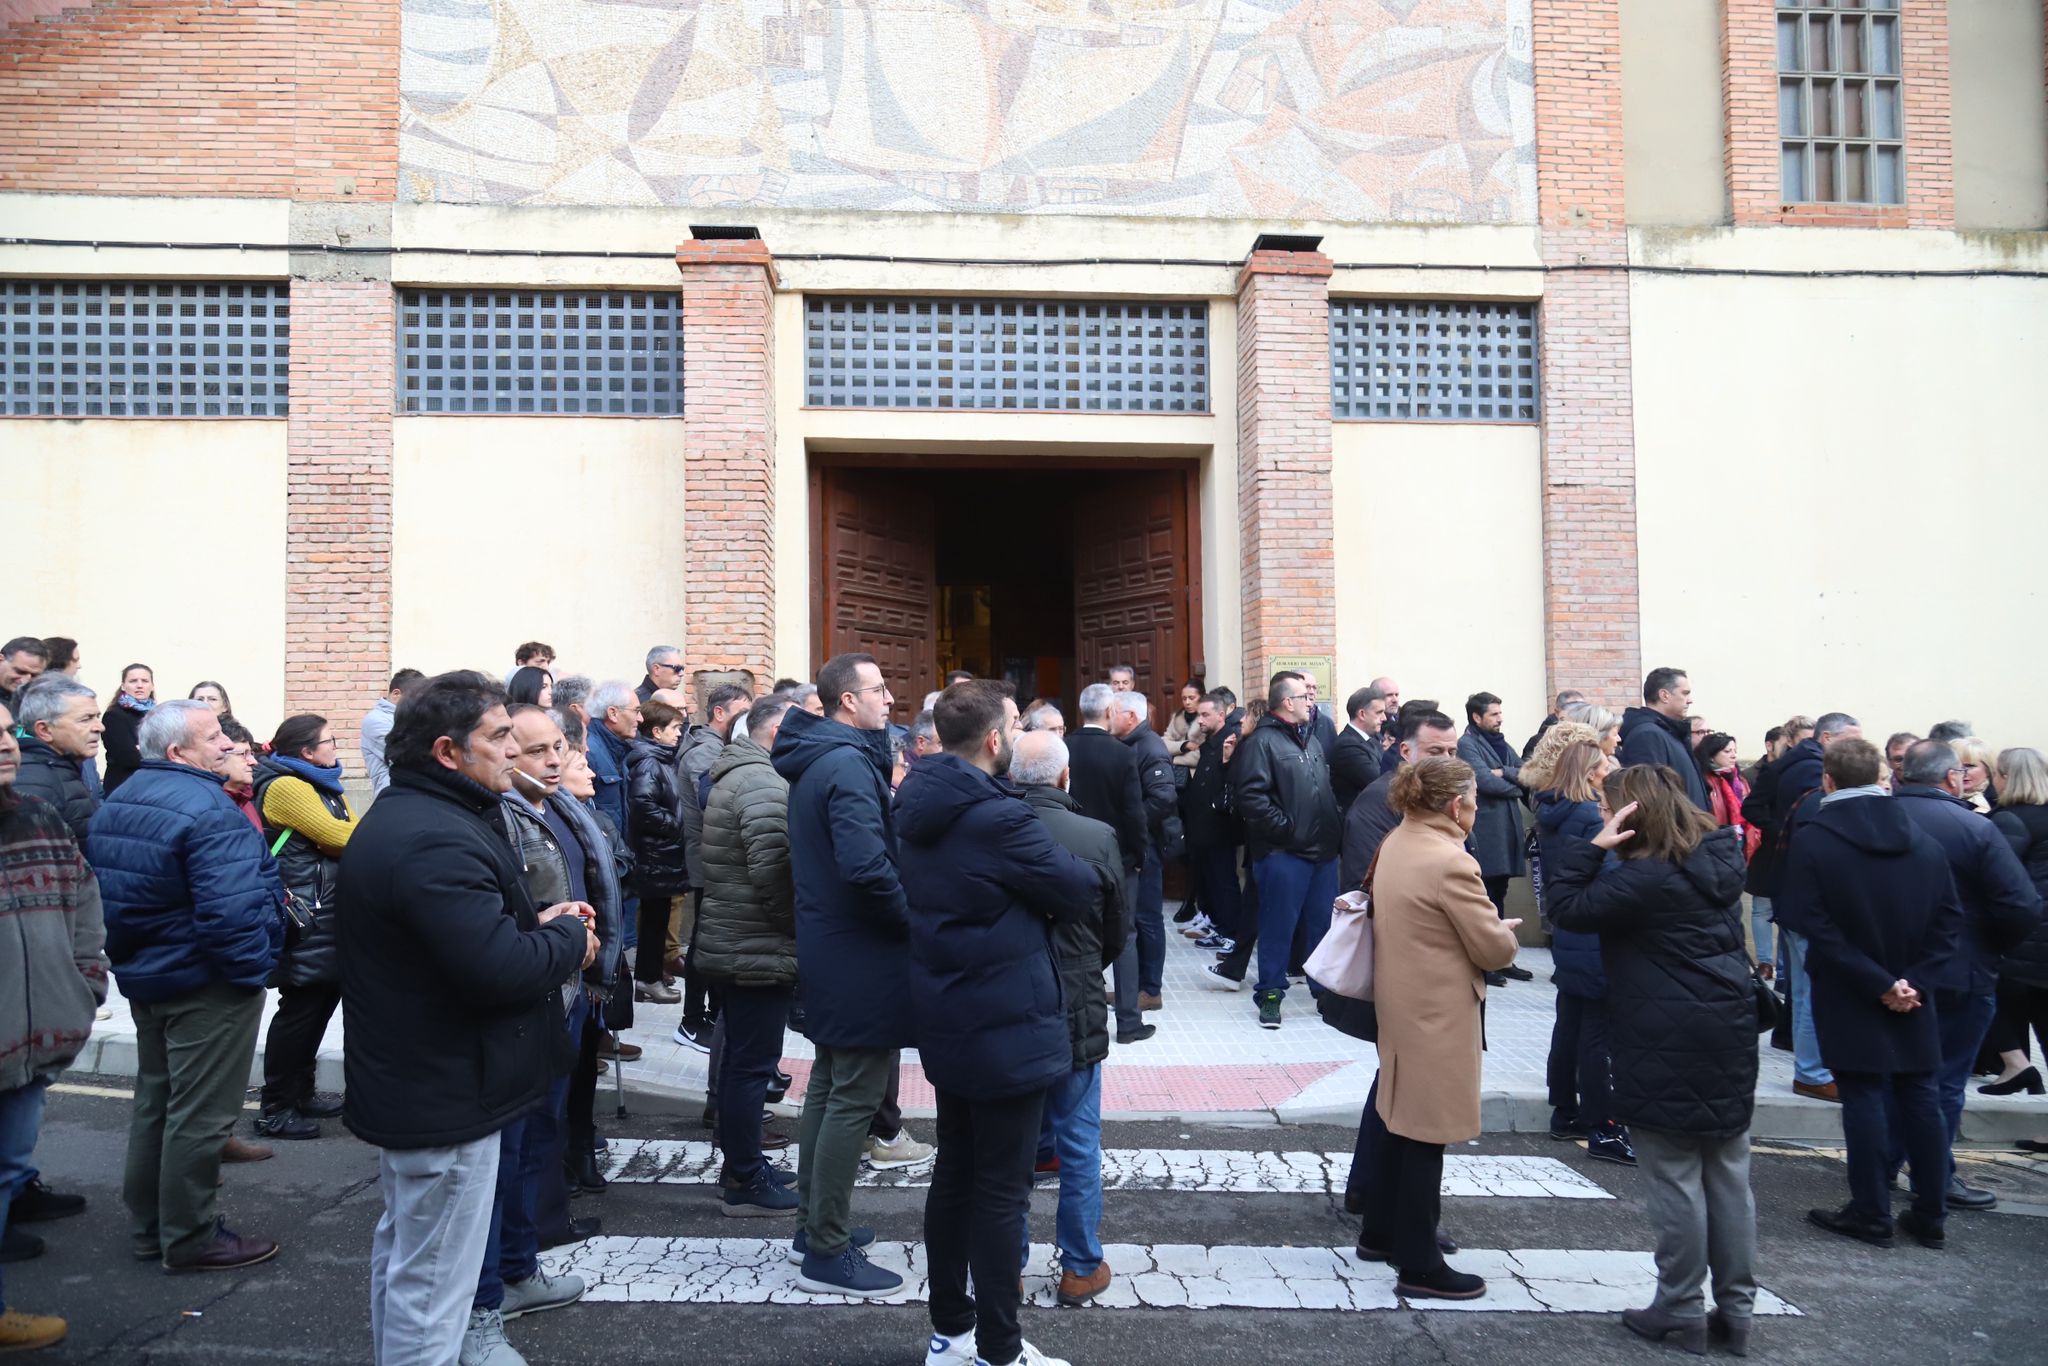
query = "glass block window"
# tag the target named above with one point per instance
(540, 351)
(123, 348)
(1077, 355)
(1841, 120)
(1433, 360)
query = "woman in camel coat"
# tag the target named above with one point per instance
(1435, 936)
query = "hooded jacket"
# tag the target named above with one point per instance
(986, 883)
(1563, 824)
(1081, 943)
(852, 923)
(59, 780)
(746, 928)
(1280, 784)
(2000, 906)
(1651, 737)
(1874, 896)
(192, 896)
(53, 974)
(654, 809)
(1681, 1004)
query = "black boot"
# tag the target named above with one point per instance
(581, 1169)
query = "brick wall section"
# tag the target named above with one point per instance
(203, 97)
(1288, 575)
(1749, 77)
(338, 502)
(1590, 603)
(728, 456)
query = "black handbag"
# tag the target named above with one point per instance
(1771, 1013)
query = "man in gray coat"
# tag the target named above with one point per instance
(1497, 837)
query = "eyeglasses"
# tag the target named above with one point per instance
(879, 687)
(670, 668)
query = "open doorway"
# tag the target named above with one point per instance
(1042, 573)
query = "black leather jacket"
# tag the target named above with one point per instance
(1281, 788)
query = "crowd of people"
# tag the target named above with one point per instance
(541, 853)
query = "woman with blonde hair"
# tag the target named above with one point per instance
(1606, 725)
(1538, 773)
(1435, 937)
(2021, 780)
(1683, 1013)
(1977, 759)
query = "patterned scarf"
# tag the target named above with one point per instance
(144, 705)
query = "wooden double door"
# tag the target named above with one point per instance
(1111, 554)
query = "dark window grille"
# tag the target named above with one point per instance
(1026, 354)
(125, 348)
(540, 351)
(1433, 360)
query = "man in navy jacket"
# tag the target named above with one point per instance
(1658, 733)
(985, 881)
(2000, 908)
(194, 910)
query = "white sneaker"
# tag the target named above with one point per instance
(540, 1291)
(483, 1343)
(1213, 978)
(1030, 1356)
(901, 1151)
(941, 1351)
(1201, 927)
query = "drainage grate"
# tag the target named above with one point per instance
(1433, 360)
(534, 351)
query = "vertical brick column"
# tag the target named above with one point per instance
(729, 455)
(1283, 460)
(338, 500)
(1590, 604)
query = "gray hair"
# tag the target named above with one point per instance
(611, 693)
(931, 699)
(168, 723)
(660, 653)
(573, 731)
(46, 699)
(1038, 759)
(1043, 717)
(573, 689)
(1567, 697)
(2026, 777)
(1096, 700)
(1834, 723)
(1592, 714)
(1134, 702)
(766, 713)
(923, 725)
(1951, 730)
(1929, 762)
(800, 694)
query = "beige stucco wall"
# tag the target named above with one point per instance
(2000, 113)
(159, 541)
(563, 529)
(1839, 491)
(1443, 590)
(1673, 128)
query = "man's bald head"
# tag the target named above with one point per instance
(1039, 760)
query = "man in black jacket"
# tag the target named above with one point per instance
(1658, 733)
(1107, 785)
(1280, 781)
(1876, 902)
(450, 984)
(1164, 841)
(2000, 909)
(1570, 697)
(1072, 1130)
(60, 726)
(1213, 831)
(1355, 758)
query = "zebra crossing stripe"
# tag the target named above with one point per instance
(678, 1163)
(1161, 1276)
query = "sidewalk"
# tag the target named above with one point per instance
(1210, 1062)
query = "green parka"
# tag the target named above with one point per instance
(746, 929)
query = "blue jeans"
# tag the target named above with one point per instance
(1760, 927)
(21, 1119)
(1152, 925)
(1294, 901)
(1963, 1018)
(1072, 1131)
(1806, 1063)
(525, 1147)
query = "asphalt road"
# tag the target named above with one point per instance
(1980, 1301)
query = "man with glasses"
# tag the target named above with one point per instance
(853, 956)
(664, 670)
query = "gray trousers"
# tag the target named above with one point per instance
(427, 1248)
(1705, 1217)
(846, 1085)
(192, 1057)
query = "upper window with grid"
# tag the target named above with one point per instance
(1841, 123)
(539, 351)
(1033, 354)
(1433, 360)
(120, 348)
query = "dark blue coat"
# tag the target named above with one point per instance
(1563, 824)
(1874, 897)
(852, 925)
(1650, 737)
(1770, 806)
(986, 881)
(192, 894)
(2000, 905)
(608, 766)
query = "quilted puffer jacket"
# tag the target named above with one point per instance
(2026, 829)
(746, 928)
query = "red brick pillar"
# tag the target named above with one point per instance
(338, 501)
(1283, 460)
(729, 455)
(1591, 608)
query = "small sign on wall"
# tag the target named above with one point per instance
(1315, 666)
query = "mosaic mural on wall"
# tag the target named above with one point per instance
(1349, 110)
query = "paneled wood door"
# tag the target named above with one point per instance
(877, 567)
(1132, 585)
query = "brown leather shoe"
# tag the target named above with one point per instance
(241, 1150)
(226, 1251)
(612, 1046)
(1150, 1001)
(1076, 1291)
(773, 1141)
(1812, 1092)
